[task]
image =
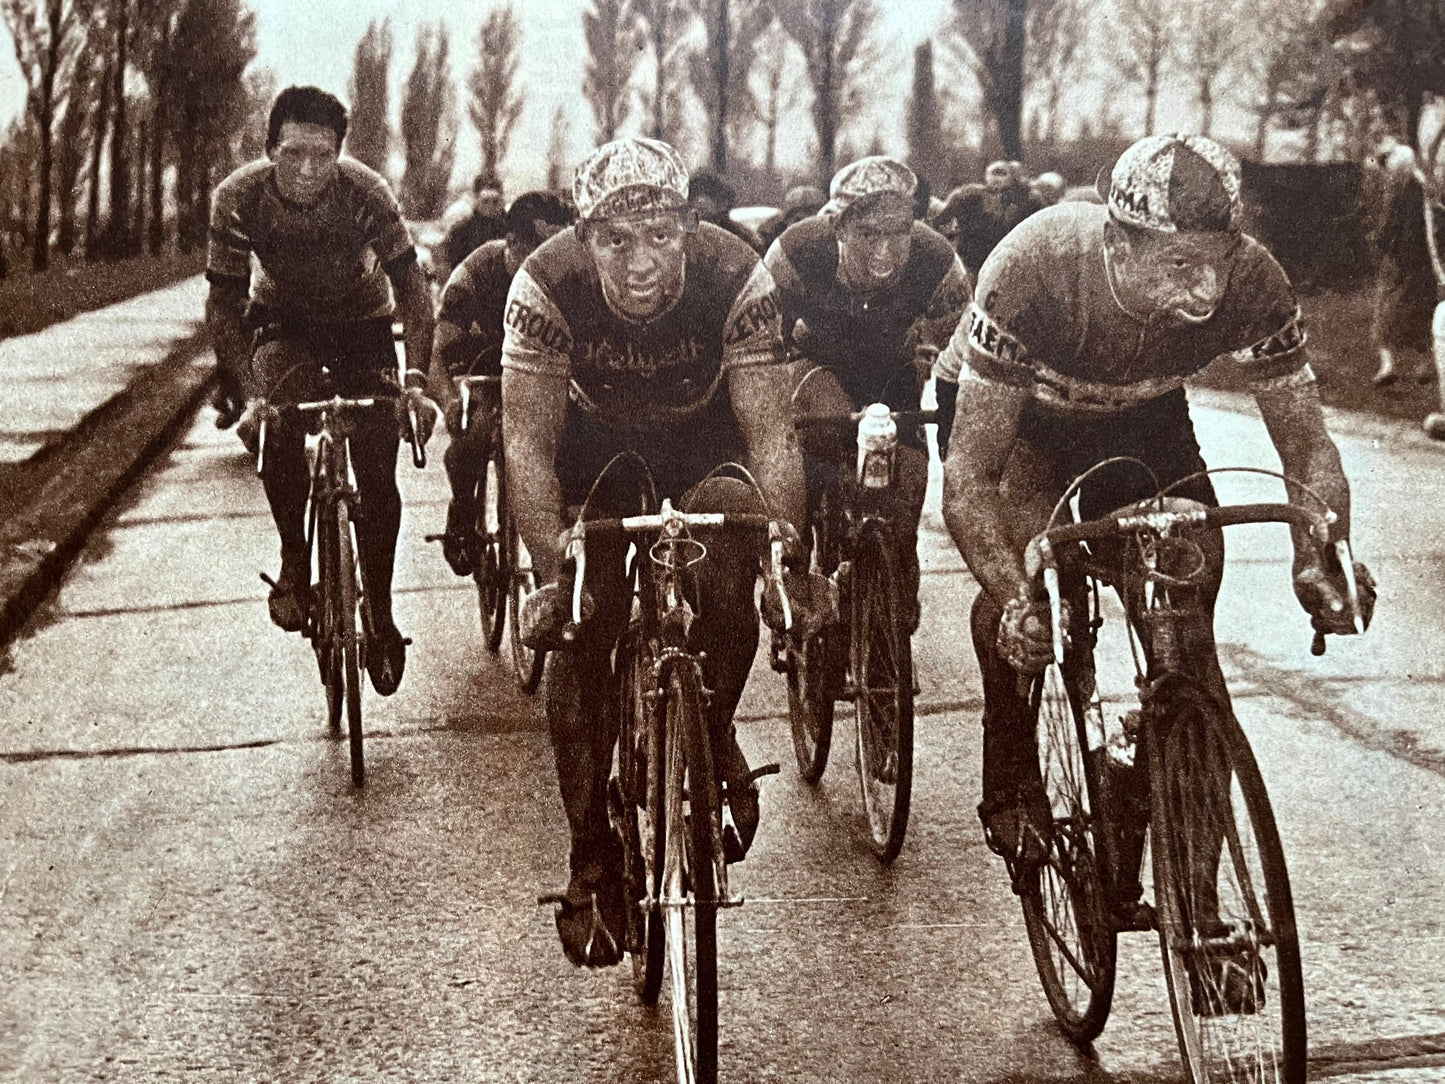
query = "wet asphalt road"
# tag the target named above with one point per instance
(192, 890)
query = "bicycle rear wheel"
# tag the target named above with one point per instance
(527, 664)
(635, 802)
(348, 616)
(1226, 916)
(1064, 900)
(693, 847)
(882, 655)
(489, 561)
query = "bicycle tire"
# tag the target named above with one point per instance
(527, 665)
(882, 656)
(1064, 901)
(638, 813)
(489, 563)
(1239, 1021)
(693, 846)
(810, 703)
(347, 613)
(320, 624)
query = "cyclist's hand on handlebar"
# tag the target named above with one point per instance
(415, 408)
(1324, 594)
(811, 597)
(248, 426)
(1025, 634)
(546, 617)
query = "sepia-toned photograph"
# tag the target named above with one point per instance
(632, 541)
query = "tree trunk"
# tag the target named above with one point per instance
(1414, 107)
(116, 242)
(1010, 88)
(1206, 106)
(825, 108)
(156, 237)
(185, 193)
(40, 248)
(140, 155)
(1151, 98)
(721, 65)
(97, 151)
(657, 27)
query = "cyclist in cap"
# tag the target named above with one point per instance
(864, 290)
(640, 330)
(330, 251)
(1086, 322)
(469, 343)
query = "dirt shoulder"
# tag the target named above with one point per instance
(32, 302)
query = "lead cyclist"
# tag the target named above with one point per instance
(1085, 324)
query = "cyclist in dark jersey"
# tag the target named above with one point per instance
(640, 330)
(330, 249)
(865, 290)
(1087, 321)
(469, 343)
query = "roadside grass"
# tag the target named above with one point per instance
(1342, 353)
(32, 302)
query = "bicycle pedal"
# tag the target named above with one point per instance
(766, 769)
(268, 581)
(1135, 918)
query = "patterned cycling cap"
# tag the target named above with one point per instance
(1176, 182)
(867, 180)
(630, 176)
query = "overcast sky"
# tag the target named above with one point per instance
(312, 41)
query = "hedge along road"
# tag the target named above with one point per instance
(192, 886)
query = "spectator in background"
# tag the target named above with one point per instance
(802, 201)
(1047, 188)
(1405, 282)
(470, 224)
(983, 214)
(713, 198)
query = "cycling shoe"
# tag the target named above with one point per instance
(456, 539)
(290, 597)
(592, 914)
(1230, 982)
(740, 792)
(1018, 828)
(386, 658)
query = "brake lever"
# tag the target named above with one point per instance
(418, 450)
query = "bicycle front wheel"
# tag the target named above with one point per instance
(694, 848)
(489, 562)
(1064, 900)
(527, 664)
(635, 802)
(882, 655)
(322, 620)
(810, 703)
(1226, 915)
(347, 614)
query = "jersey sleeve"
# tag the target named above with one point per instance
(460, 337)
(753, 334)
(228, 242)
(1266, 323)
(945, 307)
(790, 288)
(988, 344)
(535, 337)
(382, 224)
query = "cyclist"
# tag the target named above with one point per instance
(330, 248)
(1086, 323)
(864, 288)
(469, 224)
(639, 329)
(469, 342)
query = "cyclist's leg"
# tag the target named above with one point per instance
(466, 463)
(726, 632)
(826, 449)
(286, 372)
(911, 482)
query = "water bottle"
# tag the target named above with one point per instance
(877, 438)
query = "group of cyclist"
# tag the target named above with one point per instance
(640, 329)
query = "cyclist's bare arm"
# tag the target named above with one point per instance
(1296, 424)
(761, 397)
(534, 410)
(990, 529)
(225, 309)
(413, 308)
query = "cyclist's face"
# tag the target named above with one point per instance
(1181, 276)
(305, 157)
(640, 260)
(873, 246)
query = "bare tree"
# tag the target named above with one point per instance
(925, 119)
(1057, 33)
(1209, 51)
(770, 92)
(611, 30)
(666, 22)
(70, 153)
(496, 101)
(557, 149)
(117, 240)
(260, 91)
(1396, 54)
(428, 125)
(1147, 44)
(720, 69)
(989, 36)
(368, 135)
(835, 37)
(41, 30)
(1290, 66)
(97, 153)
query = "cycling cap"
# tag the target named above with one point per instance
(1176, 182)
(868, 179)
(628, 176)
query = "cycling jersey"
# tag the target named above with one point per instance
(660, 374)
(864, 338)
(473, 301)
(322, 263)
(1045, 318)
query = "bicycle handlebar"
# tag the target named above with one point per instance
(903, 417)
(465, 384)
(338, 404)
